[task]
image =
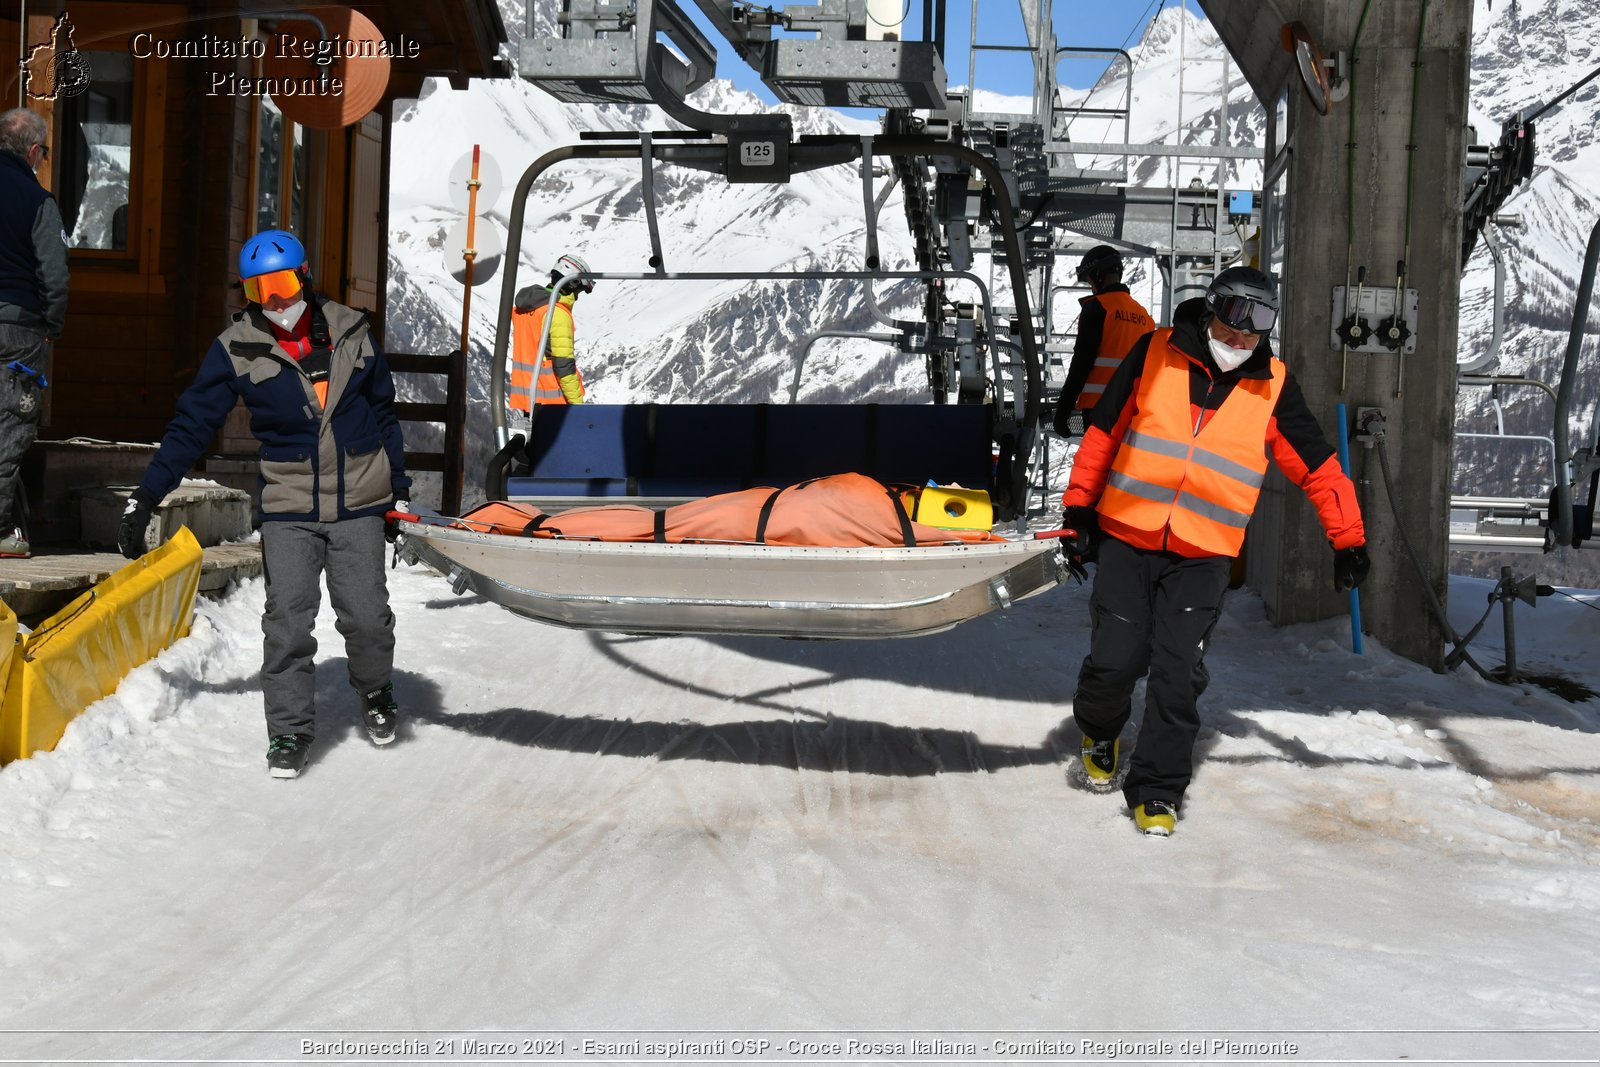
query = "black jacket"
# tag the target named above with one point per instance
(33, 250)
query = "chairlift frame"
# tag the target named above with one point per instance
(807, 153)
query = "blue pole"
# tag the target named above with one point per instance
(1355, 595)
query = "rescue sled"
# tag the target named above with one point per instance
(840, 556)
(768, 590)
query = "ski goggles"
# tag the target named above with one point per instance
(284, 284)
(1245, 313)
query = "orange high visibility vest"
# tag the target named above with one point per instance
(1201, 486)
(525, 329)
(1126, 322)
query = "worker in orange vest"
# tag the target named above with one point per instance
(1109, 324)
(553, 379)
(1165, 481)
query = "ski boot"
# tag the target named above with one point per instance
(1156, 818)
(14, 545)
(380, 714)
(1099, 761)
(287, 755)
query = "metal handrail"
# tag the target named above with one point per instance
(808, 152)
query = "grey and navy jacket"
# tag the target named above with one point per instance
(318, 464)
(33, 250)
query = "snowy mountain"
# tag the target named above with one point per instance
(1526, 53)
(732, 341)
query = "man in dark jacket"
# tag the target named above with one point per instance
(1110, 321)
(33, 304)
(1166, 479)
(321, 405)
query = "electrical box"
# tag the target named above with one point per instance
(1241, 204)
(1368, 322)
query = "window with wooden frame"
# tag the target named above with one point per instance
(94, 160)
(286, 169)
(108, 139)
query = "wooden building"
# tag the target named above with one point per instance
(165, 157)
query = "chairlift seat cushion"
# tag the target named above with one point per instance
(697, 450)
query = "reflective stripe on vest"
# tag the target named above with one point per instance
(525, 329)
(1202, 486)
(1126, 321)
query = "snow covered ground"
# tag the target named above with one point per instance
(584, 835)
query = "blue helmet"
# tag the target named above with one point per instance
(271, 250)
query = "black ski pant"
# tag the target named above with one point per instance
(1152, 611)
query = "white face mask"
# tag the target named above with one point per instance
(1228, 357)
(288, 317)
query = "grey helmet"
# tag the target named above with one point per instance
(1245, 299)
(571, 264)
(1099, 260)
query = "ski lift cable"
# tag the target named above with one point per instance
(1569, 596)
(1137, 25)
(905, 13)
(1377, 429)
(1585, 80)
(1350, 197)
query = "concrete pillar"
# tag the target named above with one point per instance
(1288, 560)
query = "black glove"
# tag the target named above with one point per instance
(1070, 422)
(1085, 527)
(135, 523)
(1350, 567)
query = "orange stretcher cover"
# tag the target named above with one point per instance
(839, 511)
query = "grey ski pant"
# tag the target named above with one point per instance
(296, 556)
(20, 408)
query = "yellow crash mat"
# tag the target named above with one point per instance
(82, 652)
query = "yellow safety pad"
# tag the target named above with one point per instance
(951, 507)
(82, 652)
(8, 645)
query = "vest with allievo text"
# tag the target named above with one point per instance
(1126, 322)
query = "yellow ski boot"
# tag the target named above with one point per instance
(1156, 818)
(1099, 761)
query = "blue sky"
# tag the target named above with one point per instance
(1080, 23)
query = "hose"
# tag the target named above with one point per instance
(1350, 150)
(1458, 645)
(1350, 193)
(1411, 140)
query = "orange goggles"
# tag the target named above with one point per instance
(284, 284)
